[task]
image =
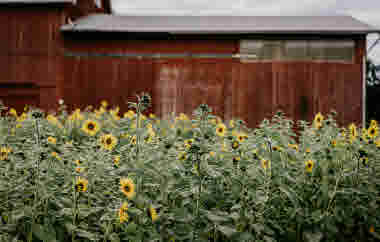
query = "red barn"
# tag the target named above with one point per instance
(242, 66)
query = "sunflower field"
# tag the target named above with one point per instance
(100, 175)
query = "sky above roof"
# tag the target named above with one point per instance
(365, 10)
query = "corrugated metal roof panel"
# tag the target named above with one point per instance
(221, 24)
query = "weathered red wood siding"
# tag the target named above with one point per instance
(30, 53)
(251, 91)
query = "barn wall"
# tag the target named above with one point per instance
(251, 91)
(30, 55)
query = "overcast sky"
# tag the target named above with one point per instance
(365, 10)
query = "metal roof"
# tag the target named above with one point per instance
(221, 24)
(34, 1)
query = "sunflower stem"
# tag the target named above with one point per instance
(74, 211)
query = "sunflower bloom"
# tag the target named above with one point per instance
(90, 127)
(51, 140)
(78, 162)
(235, 144)
(127, 187)
(293, 146)
(123, 215)
(116, 160)
(81, 185)
(309, 166)
(108, 141)
(374, 123)
(4, 151)
(221, 129)
(373, 132)
(241, 137)
(104, 104)
(188, 143)
(13, 112)
(130, 114)
(55, 155)
(333, 143)
(318, 120)
(152, 213)
(353, 132)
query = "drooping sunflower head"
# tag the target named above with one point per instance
(127, 186)
(373, 132)
(81, 185)
(152, 213)
(108, 141)
(51, 140)
(123, 215)
(309, 164)
(221, 129)
(90, 127)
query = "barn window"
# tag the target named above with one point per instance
(297, 50)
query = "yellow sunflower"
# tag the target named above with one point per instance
(116, 160)
(265, 164)
(377, 142)
(318, 120)
(221, 129)
(276, 148)
(241, 137)
(4, 151)
(108, 141)
(188, 143)
(90, 127)
(13, 112)
(232, 123)
(373, 131)
(152, 213)
(51, 140)
(353, 132)
(293, 146)
(333, 143)
(133, 139)
(123, 215)
(127, 187)
(182, 156)
(235, 144)
(130, 114)
(81, 185)
(374, 123)
(78, 162)
(55, 155)
(104, 104)
(309, 166)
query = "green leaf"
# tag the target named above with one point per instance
(46, 236)
(216, 218)
(228, 231)
(131, 228)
